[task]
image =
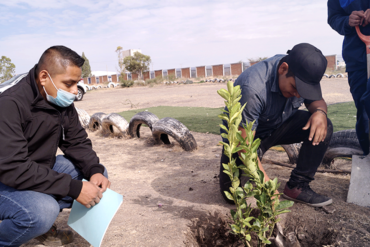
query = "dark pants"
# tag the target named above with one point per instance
(289, 132)
(357, 81)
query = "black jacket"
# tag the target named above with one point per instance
(30, 132)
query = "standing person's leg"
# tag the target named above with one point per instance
(309, 158)
(25, 215)
(357, 81)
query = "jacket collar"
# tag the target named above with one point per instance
(38, 101)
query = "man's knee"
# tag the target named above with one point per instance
(35, 212)
(43, 215)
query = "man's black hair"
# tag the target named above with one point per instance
(284, 59)
(56, 59)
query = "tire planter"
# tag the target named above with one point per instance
(343, 143)
(292, 151)
(140, 118)
(114, 125)
(174, 128)
(96, 121)
(84, 118)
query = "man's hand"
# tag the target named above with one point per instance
(101, 181)
(357, 18)
(366, 18)
(318, 125)
(90, 194)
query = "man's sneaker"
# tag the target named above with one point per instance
(304, 194)
(55, 237)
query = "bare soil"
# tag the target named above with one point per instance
(172, 197)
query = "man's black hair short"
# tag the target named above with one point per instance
(56, 59)
(284, 59)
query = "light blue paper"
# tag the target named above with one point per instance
(92, 223)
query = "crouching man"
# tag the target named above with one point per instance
(274, 89)
(37, 116)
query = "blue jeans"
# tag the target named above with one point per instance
(360, 90)
(27, 214)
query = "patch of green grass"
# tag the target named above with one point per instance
(202, 119)
(198, 119)
(342, 115)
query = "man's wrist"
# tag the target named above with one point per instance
(322, 111)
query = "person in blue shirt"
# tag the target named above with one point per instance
(274, 89)
(343, 16)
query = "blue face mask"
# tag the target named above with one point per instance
(63, 99)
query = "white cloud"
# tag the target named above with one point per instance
(173, 33)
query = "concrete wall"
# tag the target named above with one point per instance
(146, 75)
(218, 70)
(332, 63)
(185, 72)
(201, 71)
(158, 73)
(236, 68)
(172, 72)
(104, 79)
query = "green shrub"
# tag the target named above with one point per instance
(126, 83)
(264, 192)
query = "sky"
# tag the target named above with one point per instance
(174, 34)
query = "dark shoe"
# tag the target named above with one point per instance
(55, 237)
(304, 194)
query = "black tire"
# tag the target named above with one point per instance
(170, 126)
(343, 143)
(292, 151)
(114, 125)
(80, 94)
(96, 121)
(140, 118)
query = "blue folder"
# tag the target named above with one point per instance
(92, 223)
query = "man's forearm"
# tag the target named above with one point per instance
(317, 106)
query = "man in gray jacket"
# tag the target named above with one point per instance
(274, 89)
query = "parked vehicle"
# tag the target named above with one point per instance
(82, 89)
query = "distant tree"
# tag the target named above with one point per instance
(86, 69)
(121, 67)
(138, 63)
(256, 60)
(7, 69)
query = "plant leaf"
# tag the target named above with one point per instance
(284, 204)
(228, 195)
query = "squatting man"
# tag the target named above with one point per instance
(37, 117)
(274, 89)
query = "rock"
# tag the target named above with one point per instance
(301, 236)
(191, 189)
(329, 209)
(292, 240)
